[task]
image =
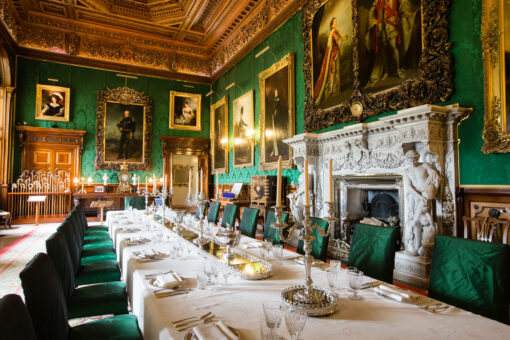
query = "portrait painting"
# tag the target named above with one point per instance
(276, 113)
(243, 130)
(391, 42)
(52, 103)
(219, 136)
(185, 111)
(332, 34)
(124, 129)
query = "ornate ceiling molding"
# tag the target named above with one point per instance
(185, 38)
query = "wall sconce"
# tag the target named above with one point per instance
(250, 134)
(224, 144)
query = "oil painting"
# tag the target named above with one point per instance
(185, 111)
(52, 103)
(244, 130)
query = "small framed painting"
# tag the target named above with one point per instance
(185, 111)
(52, 103)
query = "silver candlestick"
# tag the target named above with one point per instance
(307, 298)
(201, 204)
(146, 195)
(164, 194)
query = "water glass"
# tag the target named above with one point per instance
(273, 317)
(355, 279)
(265, 332)
(278, 252)
(201, 280)
(225, 272)
(209, 272)
(332, 276)
(295, 323)
(334, 265)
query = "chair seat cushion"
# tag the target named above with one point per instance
(97, 272)
(97, 255)
(117, 327)
(99, 243)
(95, 228)
(99, 299)
(94, 235)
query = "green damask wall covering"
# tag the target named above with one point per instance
(465, 26)
(245, 74)
(84, 84)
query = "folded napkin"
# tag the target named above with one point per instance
(217, 331)
(389, 295)
(168, 281)
(394, 291)
(252, 245)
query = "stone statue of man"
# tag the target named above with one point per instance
(422, 183)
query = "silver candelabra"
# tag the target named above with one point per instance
(307, 298)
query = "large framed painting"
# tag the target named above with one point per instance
(496, 59)
(365, 57)
(52, 103)
(276, 113)
(219, 136)
(244, 127)
(124, 129)
(185, 111)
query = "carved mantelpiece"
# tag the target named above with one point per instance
(378, 148)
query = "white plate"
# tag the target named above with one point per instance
(141, 241)
(191, 336)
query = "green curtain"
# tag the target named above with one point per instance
(248, 226)
(229, 215)
(472, 275)
(373, 251)
(320, 244)
(269, 231)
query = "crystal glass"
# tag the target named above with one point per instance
(334, 265)
(355, 279)
(201, 280)
(225, 272)
(278, 252)
(332, 276)
(209, 272)
(273, 317)
(295, 323)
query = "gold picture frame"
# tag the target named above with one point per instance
(52, 103)
(496, 129)
(185, 112)
(243, 150)
(134, 145)
(277, 102)
(219, 131)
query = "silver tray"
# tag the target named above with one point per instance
(327, 307)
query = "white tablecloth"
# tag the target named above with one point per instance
(240, 304)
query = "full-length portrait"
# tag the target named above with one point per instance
(276, 113)
(124, 129)
(219, 136)
(243, 130)
(185, 111)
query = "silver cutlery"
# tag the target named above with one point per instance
(191, 317)
(173, 293)
(200, 319)
(147, 260)
(196, 323)
(151, 276)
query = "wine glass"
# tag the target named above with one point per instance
(208, 271)
(332, 276)
(355, 278)
(295, 323)
(273, 316)
(225, 272)
(278, 252)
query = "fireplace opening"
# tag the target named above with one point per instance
(382, 204)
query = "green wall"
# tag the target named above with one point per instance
(85, 84)
(287, 39)
(465, 26)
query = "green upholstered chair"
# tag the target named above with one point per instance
(320, 244)
(137, 203)
(269, 231)
(197, 213)
(248, 226)
(472, 275)
(47, 307)
(214, 210)
(373, 251)
(101, 271)
(15, 322)
(229, 215)
(81, 214)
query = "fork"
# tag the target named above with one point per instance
(191, 317)
(200, 319)
(196, 323)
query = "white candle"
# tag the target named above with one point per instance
(138, 189)
(171, 172)
(202, 180)
(307, 200)
(279, 184)
(330, 180)
(189, 182)
(198, 183)
(146, 185)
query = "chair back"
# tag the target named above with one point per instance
(56, 248)
(134, 202)
(269, 231)
(73, 244)
(472, 275)
(212, 214)
(197, 213)
(229, 215)
(320, 244)
(45, 299)
(248, 226)
(487, 229)
(15, 322)
(373, 251)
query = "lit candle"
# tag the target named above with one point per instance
(189, 182)
(134, 179)
(330, 180)
(279, 184)
(307, 201)
(201, 180)
(146, 185)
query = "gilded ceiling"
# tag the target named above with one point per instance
(189, 39)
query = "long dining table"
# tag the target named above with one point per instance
(239, 302)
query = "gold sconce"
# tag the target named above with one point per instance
(225, 144)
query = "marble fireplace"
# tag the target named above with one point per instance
(368, 162)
